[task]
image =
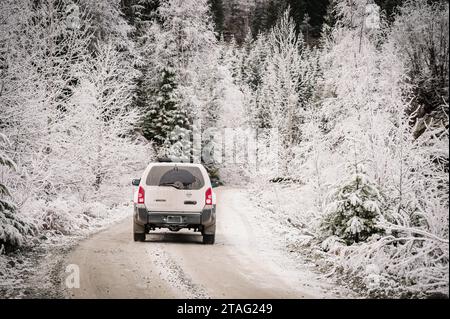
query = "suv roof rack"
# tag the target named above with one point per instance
(173, 160)
(164, 160)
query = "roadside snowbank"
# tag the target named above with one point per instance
(280, 226)
(359, 267)
(61, 224)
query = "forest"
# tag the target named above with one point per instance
(356, 92)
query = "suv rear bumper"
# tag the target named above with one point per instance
(145, 218)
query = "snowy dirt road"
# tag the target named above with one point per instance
(244, 262)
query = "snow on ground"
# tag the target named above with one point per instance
(292, 209)
(33, 272)
(277, 237)
(36, 273)
(247, 261)
(286, 215)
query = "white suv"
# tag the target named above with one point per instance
(175, 196)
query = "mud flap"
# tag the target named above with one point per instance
(138, 229)
(210, 230)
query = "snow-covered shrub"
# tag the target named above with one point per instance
(354, 209)
(420, 37)
(367, 101)
(66, 106)
(332, 243)
(406, 266)
(415, 249)
(13, 229)
(70, 215)
(63, 216)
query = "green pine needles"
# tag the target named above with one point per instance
(12, 228)
(165, 115)
(354, 209)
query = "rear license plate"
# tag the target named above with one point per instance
(174, 219)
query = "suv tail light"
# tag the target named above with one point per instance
(208, 196)
(141, 195)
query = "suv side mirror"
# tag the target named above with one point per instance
(136, 182)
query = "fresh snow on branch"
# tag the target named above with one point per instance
(343, 133)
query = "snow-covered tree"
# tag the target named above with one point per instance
(287, 86)
(94, 134)
(181, 72)
(107, 23)
(13, 229)
(166, 114)
(182, 35)
(254, 62)
(43, 53)
(365, 118)
(354, 208)
(420, 37)
(65, 100)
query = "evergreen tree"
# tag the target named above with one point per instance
(287, 85)
(316, 10)
(232, 56)
(181, 72)
(254, 63)
(165, 115)
(266, 15)
(354, 209)
(389, 6)
(238, 19)
(421, 38)
(139, 13)
(218, 15)
(12, 228)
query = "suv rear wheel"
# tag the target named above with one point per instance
(139, 236)
(209, 239)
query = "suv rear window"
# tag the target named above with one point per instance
(181, 177)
